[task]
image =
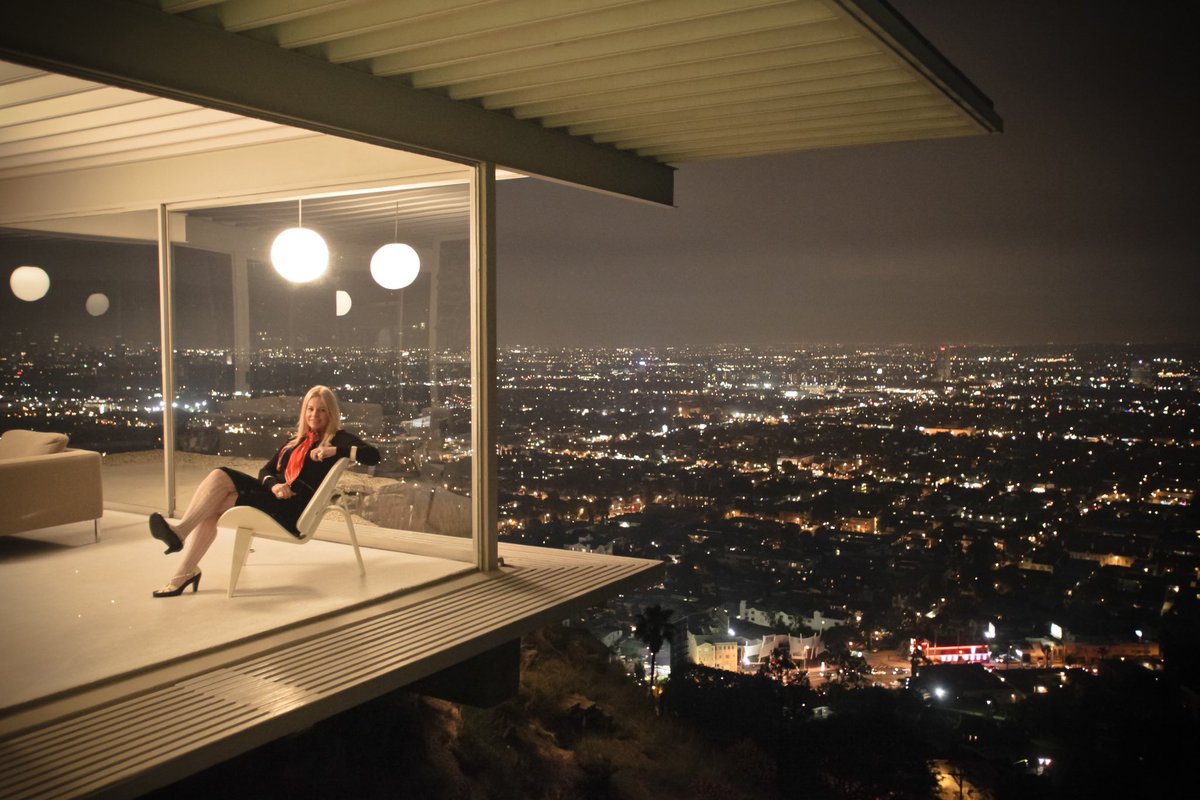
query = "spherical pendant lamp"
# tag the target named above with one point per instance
(343, 302)
(29, 283)
(395, 265)
(300, 254)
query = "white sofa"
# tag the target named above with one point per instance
(45, 483)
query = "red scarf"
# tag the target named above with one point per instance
(296, 459)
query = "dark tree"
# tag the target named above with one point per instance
(653, 628)
(779, 665)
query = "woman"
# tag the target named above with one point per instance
(285, 485)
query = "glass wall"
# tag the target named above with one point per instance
(249, 343)
(80, 353)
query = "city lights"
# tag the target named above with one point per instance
(897, 507)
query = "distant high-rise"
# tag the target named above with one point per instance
(941, 365)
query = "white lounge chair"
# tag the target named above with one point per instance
(251, 522)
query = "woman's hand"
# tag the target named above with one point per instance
(322, 453)
(282, 491)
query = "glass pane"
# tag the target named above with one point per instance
(81, 345)
(249, 343)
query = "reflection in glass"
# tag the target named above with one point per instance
(84, 358)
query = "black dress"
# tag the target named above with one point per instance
(257, 493)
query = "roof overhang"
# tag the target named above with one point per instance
(161, 54)
(605, 94)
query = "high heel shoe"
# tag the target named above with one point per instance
(171, 590)
(160, 530)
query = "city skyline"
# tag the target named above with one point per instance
(1071, 226)
(831, 520)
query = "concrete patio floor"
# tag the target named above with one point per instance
(79, 613)
(92, 666)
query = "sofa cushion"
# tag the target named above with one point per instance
(18, 444)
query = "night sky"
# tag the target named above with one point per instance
(1076, 224)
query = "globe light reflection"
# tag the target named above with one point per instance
(96, 304)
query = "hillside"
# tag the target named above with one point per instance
(579, 728)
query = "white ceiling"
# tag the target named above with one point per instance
(52, 123)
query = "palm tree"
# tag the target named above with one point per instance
(653, 627)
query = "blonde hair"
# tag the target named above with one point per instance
(335, 416)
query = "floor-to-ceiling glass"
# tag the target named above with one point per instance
(388, 332)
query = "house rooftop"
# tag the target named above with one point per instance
(606, 94)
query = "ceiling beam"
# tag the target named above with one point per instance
(135, 46)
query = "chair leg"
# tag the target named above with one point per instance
(241, 550)
(362, 570)
(96, 531)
